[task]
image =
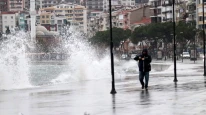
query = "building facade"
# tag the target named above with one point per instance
(50, 3)
(76, 15)
(166, 11)
(94, 5)
(3, 5)
(155, 8)
(114, 3)
(9, 19)
(125, 19)
(199, 20)
(16, 5)
(22, 21)
(163, 10)
(127, 2)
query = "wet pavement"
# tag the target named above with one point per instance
(92, 97)
(163, 97)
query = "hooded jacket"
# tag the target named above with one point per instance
(144, 65)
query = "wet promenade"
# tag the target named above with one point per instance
(92, 97)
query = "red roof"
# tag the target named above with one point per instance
(8, 12)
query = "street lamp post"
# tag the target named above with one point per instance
(113, 91)
(203, 29)
(174, 49)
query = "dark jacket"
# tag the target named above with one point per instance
(144, 65)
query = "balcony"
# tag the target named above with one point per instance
(167, 3)
(166, 9)
(169, 15)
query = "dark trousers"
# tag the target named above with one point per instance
(143, 75)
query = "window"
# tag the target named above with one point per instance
(43, 16)
(59, 21)
(52, 22)
(47, 16)
(5, 17)
(11, 17)
(43, 21)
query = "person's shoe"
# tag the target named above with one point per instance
(146, 87)
(143, 87)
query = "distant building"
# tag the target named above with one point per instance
(94, 5)
(162, 10)
(114, 3)
(3, 5)
(16, 5)
(75, 14)
(9, 19)
(125, 19)
(50, 3)
(127, 2)
(22, 21)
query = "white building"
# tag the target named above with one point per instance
(166, 11)
(8, 20)
(113, 3)
(127, 2)
(162, 10)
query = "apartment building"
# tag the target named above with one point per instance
(50, 3)
(114, 3)
(163, 10)
(127, 2)
(125, 19)
(156, 8)
(199, 20)
(94, 22)
(45, 20)
(16, 5)
(22, 21)
(76, 15)
(8, 20)
(3, 5)
(94, 5)
(166, 11)
(51, 22)
(191, 8)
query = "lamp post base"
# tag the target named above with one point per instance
(175, 80)
(113, 91)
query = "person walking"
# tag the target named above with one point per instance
(144, 67)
